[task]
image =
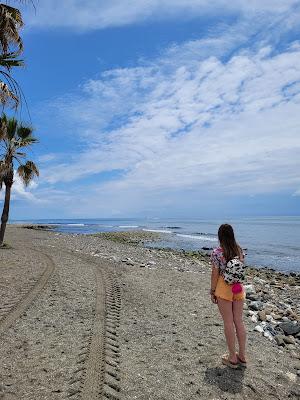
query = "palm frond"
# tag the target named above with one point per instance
(3, 124)
(10, 23)
(11, 128)
(9, 60)
(9, 89)
(24, 132)
(27, 172)
(6, 94)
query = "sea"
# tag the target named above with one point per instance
(272, 242)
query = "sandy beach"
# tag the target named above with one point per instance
(85, 317)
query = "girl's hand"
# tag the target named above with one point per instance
(214, 299)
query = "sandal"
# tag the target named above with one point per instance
(243, 363)
(228, 363)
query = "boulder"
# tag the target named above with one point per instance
(289, 328)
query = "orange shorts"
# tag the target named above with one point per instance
(223, 290)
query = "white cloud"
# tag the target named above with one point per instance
(212, 117)
(19, 191)
(95, 14)
(229, 127)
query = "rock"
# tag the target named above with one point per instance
(256, 305)
(254, 318)
(290, 346)
(292, 314)
(269, 318)
(280, 340)
(285, 319)
(289, 339)
(142, 265)
(253, 296)
(289, 328)
(249, 289)
(271, 329)
(151, 262)
(276, 316)
(295, 355)
(292, 377)
(259, 329)
(259, 281)
(262, 315)
(268, 335)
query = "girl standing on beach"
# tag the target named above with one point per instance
(230, 304)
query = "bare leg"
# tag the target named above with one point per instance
(240, 328)
(226, 310)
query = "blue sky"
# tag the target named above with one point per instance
(162, 108)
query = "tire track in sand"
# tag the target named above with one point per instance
(100, 379)
(15, 309)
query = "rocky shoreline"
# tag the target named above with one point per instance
(272, 297)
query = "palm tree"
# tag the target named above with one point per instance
(11, 45)
(10, 24)
(9, 88)
(14, 137)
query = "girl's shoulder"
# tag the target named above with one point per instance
(217, 250)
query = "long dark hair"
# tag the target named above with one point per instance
(228, 243)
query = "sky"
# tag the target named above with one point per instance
(170, 108)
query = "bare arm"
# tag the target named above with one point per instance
(213, 282)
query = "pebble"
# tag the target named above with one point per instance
(259, 328)
(262, 315)
(256, 305)
(280, 340)
(289, 339)
(292, 377)
(249, 289)
(254, 318)
(268, 335)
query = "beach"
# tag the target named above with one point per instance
(103, 317)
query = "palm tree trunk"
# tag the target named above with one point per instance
(5, 212)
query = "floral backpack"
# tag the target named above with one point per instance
(234, 271)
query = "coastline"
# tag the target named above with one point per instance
(165, 338)
(266, 245)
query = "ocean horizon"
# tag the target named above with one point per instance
(269, 241)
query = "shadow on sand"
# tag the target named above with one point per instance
(229, 380)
